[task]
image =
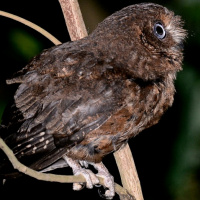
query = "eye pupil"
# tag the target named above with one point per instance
(159, 31)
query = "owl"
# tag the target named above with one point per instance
(79, 101)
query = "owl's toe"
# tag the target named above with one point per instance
(89, 176)
(108, 180)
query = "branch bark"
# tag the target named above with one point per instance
(123, 157)
(31, 25)
(73, 18)
(128, 172)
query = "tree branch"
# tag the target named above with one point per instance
(31, 25)
(73, 19)
(52, 177)
(128, 172)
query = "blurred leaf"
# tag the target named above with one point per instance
(189, 10)
(25, 44)
(182, 181)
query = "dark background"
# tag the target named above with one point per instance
(167, 156)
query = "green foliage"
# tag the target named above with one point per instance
(24, 44)
(182, 181)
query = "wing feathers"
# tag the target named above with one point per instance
(60, 103)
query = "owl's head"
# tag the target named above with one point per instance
(147, 38)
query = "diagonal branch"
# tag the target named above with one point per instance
(73, 19)
(31, 25)
(128, 172)
(52, 177)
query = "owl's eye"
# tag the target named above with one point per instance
(159, 31)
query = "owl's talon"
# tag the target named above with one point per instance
(98, 185)
(89, 176)
(108, 180)
(106, 194)
(101, 194)
(78, 186)
(83, 163)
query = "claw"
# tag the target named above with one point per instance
(78, 186)
(101, 194)
(104, 193)
(89, 176)
(108, 180)
(83, 163)
(98, 185)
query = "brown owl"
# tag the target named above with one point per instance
(79, 101)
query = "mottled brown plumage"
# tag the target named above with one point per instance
(85, 99)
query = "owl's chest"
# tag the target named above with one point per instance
(151, 103)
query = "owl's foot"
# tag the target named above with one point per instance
(108, 180)
(89, 176)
